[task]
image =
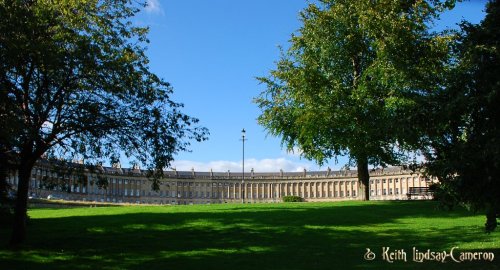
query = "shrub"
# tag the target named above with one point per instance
(292, 199)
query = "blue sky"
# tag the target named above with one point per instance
(211, 52)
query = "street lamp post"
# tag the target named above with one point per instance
(243, 133)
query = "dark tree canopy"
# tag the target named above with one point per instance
(464, 145)
(353, 76)
(75, 83)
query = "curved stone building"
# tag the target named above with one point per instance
(130, 185)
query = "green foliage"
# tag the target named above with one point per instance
(77, 82)
(464, 139)
(292, 199)
(445, 195)
(75, 85)
(237, 236)
(352, 77)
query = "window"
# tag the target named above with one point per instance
(384, 192)
(390, 191)
(396, 191)
(383, 181)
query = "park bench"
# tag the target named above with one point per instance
(418, 191)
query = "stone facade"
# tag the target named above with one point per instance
(132, 186)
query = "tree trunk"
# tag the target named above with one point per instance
(21, 206)
(363, 179)
(491, 218)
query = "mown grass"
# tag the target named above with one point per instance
(259, 236)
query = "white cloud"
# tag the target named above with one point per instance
(153, 7)
(262, 165)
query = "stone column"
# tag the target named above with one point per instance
(351, 186)
(240, 190)
(234, 191)
(406, 184)
(341, 189)
(265, 191)
(269, 190)
(394, 185)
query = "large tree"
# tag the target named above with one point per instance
(351, 79)
(75, 82)
(464, 146)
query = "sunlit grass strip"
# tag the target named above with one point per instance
(236, 236)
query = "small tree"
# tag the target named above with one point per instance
(75, 82)
(351, 79)
(464, 146)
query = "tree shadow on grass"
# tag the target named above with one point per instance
(287, 236)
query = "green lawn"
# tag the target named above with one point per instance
(258, 236)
